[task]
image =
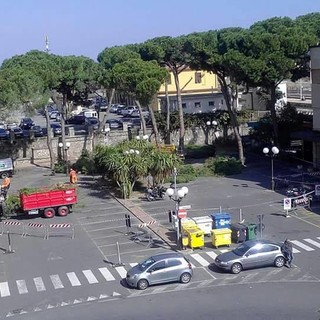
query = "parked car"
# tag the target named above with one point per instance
(11, 125)
(136, 113)
(251, 254)
(128, 110)
(92, 122)
(127, 120)
(114, 108)
(37, 131)
(54, 115)
(78, 119)
(120, 108)
(3, 125)
(56, 128)
(18, 132)
(114, 124)
(4, 134)
(160, 268)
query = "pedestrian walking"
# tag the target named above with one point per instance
(287, 251)
(73, 176)
(5, 185)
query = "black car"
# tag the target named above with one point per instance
(114, 124)
(92, 122)
(80, 120)
(18, 132)
(37, 131)
(56, 128)
(4, 134)
(26, 123)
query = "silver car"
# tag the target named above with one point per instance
(160, 268)
(251, 254)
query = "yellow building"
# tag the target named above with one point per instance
(199, 91)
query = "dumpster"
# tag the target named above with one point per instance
(238, 232)
(221, 220)
(204, 223)
(251, 231)
(195, 237)
(187, 223)
(221, 237)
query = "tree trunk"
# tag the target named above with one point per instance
(49, 140)
(181, 118)
(167, 137)
(233, 117)
(274, 114)
(63, 126)
(104, 119)
(142, 119)
(154, 126)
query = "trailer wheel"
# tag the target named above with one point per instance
(48, 213)
(4, 175)
(63, 211)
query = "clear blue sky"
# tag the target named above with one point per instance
(86, 27)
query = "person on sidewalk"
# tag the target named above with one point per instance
(287, 251)
(73, 176)
(6, 182)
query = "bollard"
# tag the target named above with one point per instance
(119, 264)
(9, 244)
(128, 223)
(170, 216)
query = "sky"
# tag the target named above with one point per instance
(86, 27)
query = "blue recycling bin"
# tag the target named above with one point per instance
(221, 220)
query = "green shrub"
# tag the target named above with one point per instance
(185, 178)
(186, 169)
(85, 163)
(199, 152)
(60, 166)
(224, 166)
(11, 205)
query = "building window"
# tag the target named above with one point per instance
(197, 104)
(211, 103)
(197, 77)
(184, 106)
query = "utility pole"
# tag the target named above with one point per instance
(47, 44)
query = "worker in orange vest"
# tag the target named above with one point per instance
(73, 176)
(5, 186)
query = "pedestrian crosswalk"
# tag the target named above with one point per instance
(200, 259)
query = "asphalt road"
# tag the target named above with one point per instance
(80, 277)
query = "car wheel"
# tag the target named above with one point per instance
(185, 277)
(143, 284)
(279, 262)
(236, 268)
(4, 175)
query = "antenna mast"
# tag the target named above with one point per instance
(47, 45)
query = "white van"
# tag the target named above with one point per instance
(89, 114)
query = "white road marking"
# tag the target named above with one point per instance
(315, 243)
(90, 276)
(56, 281)
(107, 274)
(4, 289)
(22, 287)
(122, 271)
(224, 250)
(301, 245)
(133, 264)
(39, 284)
(73, 279)
(201, 260)
(294, 250)
(212, 255)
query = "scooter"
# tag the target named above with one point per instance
(156, 193)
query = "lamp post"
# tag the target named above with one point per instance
(177, 196)
(65, 148)
(144, 137)
(271, 153)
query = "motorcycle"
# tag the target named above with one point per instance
(156, 193)
(295, 192)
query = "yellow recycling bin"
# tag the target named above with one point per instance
(221, 237)
(187, 223)
(185, 241)
(195, 237)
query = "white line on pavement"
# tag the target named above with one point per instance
(211, 254)
(22, 287)
(4, 289)
(90, 276)
(39, 284)
(201, 260)
(73, 279)
(315, 243)
(122, 271)
(107, 274)
(301, 245)
(56, 281)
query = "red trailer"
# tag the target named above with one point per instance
(49, 202)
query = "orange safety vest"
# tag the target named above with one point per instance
(6, 182)
(73, 176)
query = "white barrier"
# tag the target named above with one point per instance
(12, 224)
(60, 229)
(34, 226)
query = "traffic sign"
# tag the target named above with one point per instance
(182, 213)
(286, 204)
(317, 190)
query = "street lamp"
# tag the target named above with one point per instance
(271, 153)
(144, 137)
(177, 196)
(65, 148)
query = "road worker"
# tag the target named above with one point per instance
(73, 176)
(5, 186)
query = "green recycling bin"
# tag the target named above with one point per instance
(251, 231)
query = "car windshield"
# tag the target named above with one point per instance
(241, 250)
(147, 263)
